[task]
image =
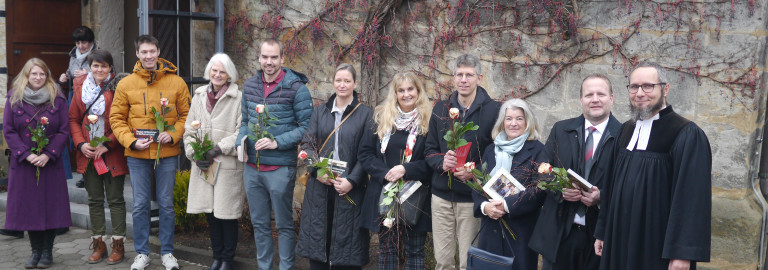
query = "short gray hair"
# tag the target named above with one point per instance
(660, 71)
(468, 60)
(225, 61)
(531, 125)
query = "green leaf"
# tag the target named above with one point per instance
(87, 127)
(461, 142)
(170, 128)
(387, 201)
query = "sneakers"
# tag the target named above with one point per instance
(140, 262)
(170, 262)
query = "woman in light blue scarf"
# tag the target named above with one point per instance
(515, 150)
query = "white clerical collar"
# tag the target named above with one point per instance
(642, 133)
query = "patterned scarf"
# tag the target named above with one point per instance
(90, 92)
(404, 121)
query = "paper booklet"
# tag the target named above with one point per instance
(212, 173)
(502, 185)
(578, 180)
(461, 155)
(337, 166)
(409, 187)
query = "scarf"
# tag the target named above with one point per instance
(90, 92)
(38, 97)
(404, 121)
(505, 150)
(214, 97)
(81, 56)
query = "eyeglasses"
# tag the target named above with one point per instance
(468, 76)
(647, 87)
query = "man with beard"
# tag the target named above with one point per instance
(656, 211)
(563, 232)
(270, 173)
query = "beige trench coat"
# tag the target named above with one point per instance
(226, 197)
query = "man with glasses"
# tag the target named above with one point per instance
(452, 207)
(655, 212)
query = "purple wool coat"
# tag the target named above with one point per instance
(33, 207)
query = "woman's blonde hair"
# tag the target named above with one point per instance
(531, 126)
(22, 80)
(386, 112)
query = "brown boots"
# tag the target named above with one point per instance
(117, 251)
(100, 250)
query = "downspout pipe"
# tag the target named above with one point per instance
(760, 181)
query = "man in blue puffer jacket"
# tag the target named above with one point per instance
(269, 184)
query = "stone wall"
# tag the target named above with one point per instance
(106, 18)
(716, 54)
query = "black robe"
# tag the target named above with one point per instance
(660, 200)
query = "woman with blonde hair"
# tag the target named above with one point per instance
(37, 203)
(515, 149)
(391, 150)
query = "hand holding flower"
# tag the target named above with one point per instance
(395, 173)
(449, 160)
(343, 186)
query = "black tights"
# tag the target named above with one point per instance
(42, 240)
(223, 237)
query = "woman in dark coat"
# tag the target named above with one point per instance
(515, 149)
(38, 205)
(393, 149)
(330, 234)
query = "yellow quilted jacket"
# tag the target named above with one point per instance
(132, 106)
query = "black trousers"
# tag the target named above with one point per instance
(576, 252)
(42, 240)
(223, 237)
(318, 265)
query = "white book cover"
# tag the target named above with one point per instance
(502, 185)
(578, 180)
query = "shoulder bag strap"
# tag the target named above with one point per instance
(337, 127)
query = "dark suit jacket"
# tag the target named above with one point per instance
(565, 148)
(523, 209)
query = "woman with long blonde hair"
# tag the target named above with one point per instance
(391, 150)
(37, 203)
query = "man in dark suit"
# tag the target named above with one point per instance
(584, 144)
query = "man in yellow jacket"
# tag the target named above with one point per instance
(151, 145)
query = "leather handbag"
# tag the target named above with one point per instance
(304, 177)
(410, 209)
(478, 259)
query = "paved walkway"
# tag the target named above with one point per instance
(70, 251)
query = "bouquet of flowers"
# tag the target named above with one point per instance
(480, 178)
(201, 145)
(161, 124)
(392, 194)
(558, 178)
(260, 128)
(93, 128)
(41, 141)
(455, 136)
(324, 167)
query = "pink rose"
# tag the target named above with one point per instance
(469, 166)
(260, 108)
(92, 118)
(195, 125)
(388, 222)
(302, 155)
(163, 102)
(44, 120)
(545, 168)
(453, 113)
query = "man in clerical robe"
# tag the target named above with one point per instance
(584, 144)
(655, 213)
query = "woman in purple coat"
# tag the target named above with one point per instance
(37, 205)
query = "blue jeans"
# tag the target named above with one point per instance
(165, 178)
(275, 189)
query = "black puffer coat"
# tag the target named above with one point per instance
(348, 242)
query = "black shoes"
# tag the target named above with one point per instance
(46, 259)
(215, 265)
(226, 266)
(80, 183)
(17, 234)
(32, 262)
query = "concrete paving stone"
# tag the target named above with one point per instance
(87, 252)
(64, 245)
(67, 251)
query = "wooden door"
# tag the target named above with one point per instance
(43, 29)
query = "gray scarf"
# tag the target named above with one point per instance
(38, 97)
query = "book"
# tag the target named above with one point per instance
(212, 173)
(409, 187)
(578, 180)
(461, 155)
(338, 167)
(141, 133)
(242, 154)
(502, 185)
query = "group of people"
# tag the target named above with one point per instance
(649, 207)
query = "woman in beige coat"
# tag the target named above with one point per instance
(215, 110)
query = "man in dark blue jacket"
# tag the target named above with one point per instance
(270, 173)
(452, 206)
(563, 233)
